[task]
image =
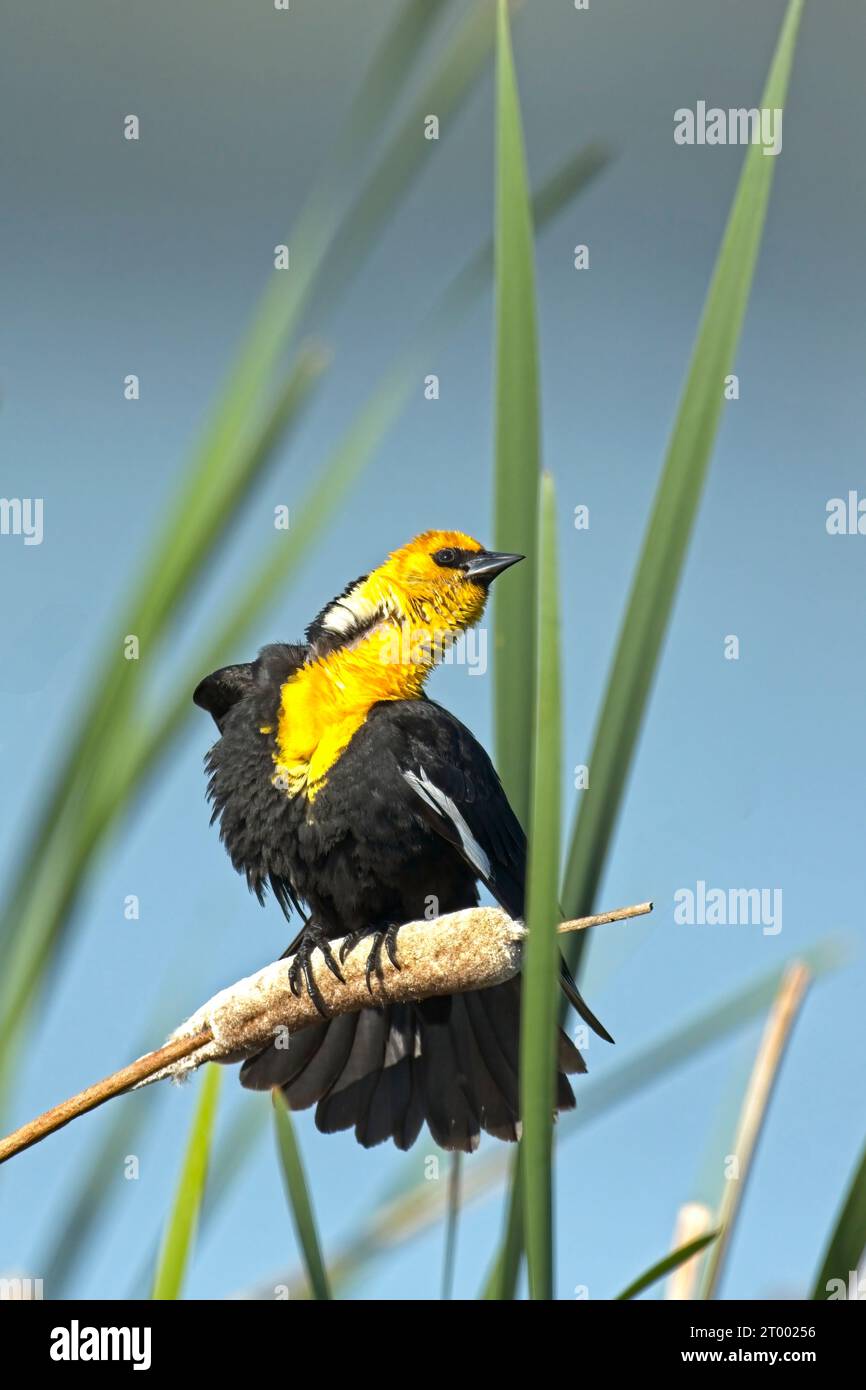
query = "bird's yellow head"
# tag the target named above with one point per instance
(377, 641)
(437, 585)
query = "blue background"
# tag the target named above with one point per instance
(148, 258)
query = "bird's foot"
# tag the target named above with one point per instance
(301, 968)
(385, 938)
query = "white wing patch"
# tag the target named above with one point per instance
(445, 807)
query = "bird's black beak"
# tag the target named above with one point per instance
(488, 563)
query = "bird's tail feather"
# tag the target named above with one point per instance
(452, 1062)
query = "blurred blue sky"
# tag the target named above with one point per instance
(147, 258)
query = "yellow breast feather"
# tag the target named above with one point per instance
(323, 705)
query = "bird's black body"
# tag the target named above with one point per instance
(410, 819)
(364, 853)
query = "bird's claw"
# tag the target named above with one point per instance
(301, 968)
(350, 942)
(386, 938)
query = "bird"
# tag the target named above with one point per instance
(358, 801)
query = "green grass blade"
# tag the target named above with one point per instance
(517, 435)
(237, 1144)
(673, 514)
(539, 1008)
(180, 1231)
(847, 1242)
(228, 1159)
(516, 486)
(663, 1267)
(299, 1198)
(502, 1281)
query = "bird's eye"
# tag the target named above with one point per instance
(445, 557)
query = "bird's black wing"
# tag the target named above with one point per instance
(459, 794)
(452, 784)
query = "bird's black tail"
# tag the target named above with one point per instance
(452, 1062)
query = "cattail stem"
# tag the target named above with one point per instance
(473, 949)
(100, 1092)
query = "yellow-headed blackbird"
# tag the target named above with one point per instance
(360, 802)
